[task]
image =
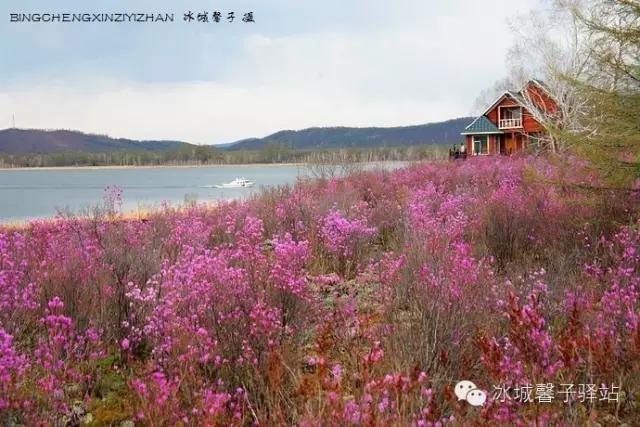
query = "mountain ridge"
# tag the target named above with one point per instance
(39, 141)
(445, 132)
(14, 141)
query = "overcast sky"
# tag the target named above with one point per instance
(301, 64)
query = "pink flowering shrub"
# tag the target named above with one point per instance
(288, 272)
(18, 295)
(342, 236)
(12, 369)
(345, 239)
(355, 301)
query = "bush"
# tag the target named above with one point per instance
(360, 300)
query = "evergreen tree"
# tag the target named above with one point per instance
(610, 137)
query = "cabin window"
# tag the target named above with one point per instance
(512, 113)
(480, 144)
(510, 117)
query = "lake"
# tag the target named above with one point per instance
(41, 193)
(38, 193)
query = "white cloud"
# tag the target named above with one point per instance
(204, 112)
(409, 63)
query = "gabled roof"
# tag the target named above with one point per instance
(542, 85)
(539, 83)
(513, 95)
(517, 96)
(481, 125)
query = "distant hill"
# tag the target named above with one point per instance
(24, 141)
(30, 141)
(447, 132)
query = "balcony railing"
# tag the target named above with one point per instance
(509, 123)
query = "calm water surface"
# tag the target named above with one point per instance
(30, 194)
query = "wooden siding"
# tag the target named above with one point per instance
(540, 98)
(529, 123)
(492, 115)
(492, 142)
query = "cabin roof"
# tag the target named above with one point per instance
(517, 96)
(481, 125)
(540, 83)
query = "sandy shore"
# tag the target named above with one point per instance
(135, 214)
(153, 166)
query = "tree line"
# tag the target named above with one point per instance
(210, 155)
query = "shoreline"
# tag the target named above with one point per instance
(137, 214)
(20, 223)
(115, 167)
(49, 168)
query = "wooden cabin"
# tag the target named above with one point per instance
(507, 126)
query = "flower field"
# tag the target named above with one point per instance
(356, 301)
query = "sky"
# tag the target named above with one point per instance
(302, 63)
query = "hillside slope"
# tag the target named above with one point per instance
(28, 141)
(23, 141)
(447, 132)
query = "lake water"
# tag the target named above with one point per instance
(29, 194)
(41, 193)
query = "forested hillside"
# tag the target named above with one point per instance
(447, 132)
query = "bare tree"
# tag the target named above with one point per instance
(489, 95)
(552, 47)
(334, 164)
(587, 53)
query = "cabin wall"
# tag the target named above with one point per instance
(514, 142)
(492, 144)
(468, 144)
(529, 123)
(540, 98)
(492, 115)
(492, 141)
(543, 101)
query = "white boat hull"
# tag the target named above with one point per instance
(233, 186)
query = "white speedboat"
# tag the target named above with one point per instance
(237, 183)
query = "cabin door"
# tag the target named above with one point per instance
(509, 143)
